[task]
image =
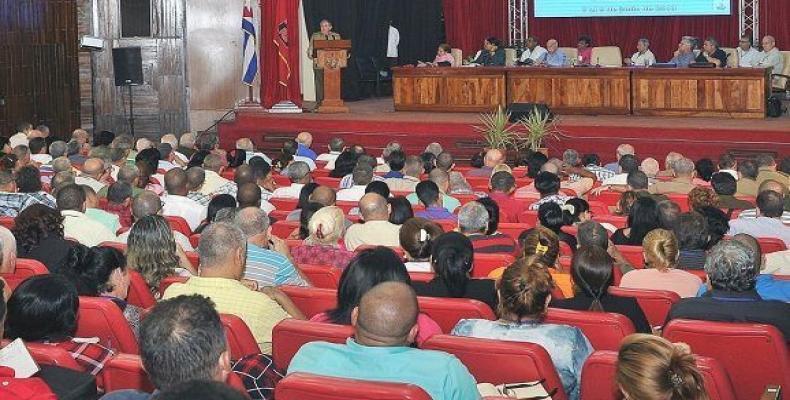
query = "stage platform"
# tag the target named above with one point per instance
(374, 122)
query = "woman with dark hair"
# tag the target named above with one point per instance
(304, 220)
(525, 290)
(492, 53)
(642, 219)
(43, 309)
(417, 236)
(197, 159)
(428, 162)
(400, 210)
(28, 180)
(493, 214)
(705, 168)
(452, 260)
(554, 217)
(101, 272)
(304, 199)
(344, 164)
(369, 268)
(217, 203)
(476, 161)
(236, 158)
(627, 200)
(592, 275)
(578, 210)
(378, 187)
(39, 236)
(717, 222)
(693, 236)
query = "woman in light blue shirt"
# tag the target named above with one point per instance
(524, 295)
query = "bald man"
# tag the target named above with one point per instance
(770, 57)
(249, 195)
(385, 325)
(304, 140)
(554, 56)
(377, 230)
(93, 174)
(772, 185)
(492, 158)
(148, 203)
(176, 202)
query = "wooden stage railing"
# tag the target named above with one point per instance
(729, 93)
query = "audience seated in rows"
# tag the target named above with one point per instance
(475, 222)
(377, 229)
(429, 196)
(442, 180)
(417, 238)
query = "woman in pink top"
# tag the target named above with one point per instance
(660, 248)
(444, 58)
(366, 270)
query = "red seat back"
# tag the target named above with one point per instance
(166, 282)
(499, 361)
(598, 208)
(513, 229)
(311, 301)
(682, 201)
(240, 340)
(598, 378)
(289, 335)
(179, 224)
(8, 222)
(100, 317)
(446, 224)
(465, 198)
(447, 312)
(655, 303)
(483, 264)
(529, 217)
(194, 240)
(754, 355)
(605, 197)
(398, 250)
(193, 257)
(603, 330)
(771, 245)
(321, 276)
(634, 255)
(334, 183)
(421, 276)
(284, 204)
(346, 206)
(282, 229)
(139, 293)
(23, 269)
(305, 386)
(50, 354)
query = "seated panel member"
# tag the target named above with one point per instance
(643, 56)
(684, 54)
(747, 54)
(770, 56)
(711, 53)
(585, 49)
(533, 54)
(492, 53)
(554, 57)
(444, 58)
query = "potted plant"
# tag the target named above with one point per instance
(538, 127)
(497, 130)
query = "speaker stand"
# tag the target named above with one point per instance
(131, 109)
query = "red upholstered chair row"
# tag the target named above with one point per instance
(24, 268)
(100, 317)
(305, 386)
(483, 264)
(598, 378)
(603, 330)
(655, 303)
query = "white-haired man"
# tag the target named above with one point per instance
(622, 150)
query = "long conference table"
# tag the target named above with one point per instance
(727, 93)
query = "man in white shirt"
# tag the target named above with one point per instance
(362, 176)
(747, 55)
(179, 157)
(768, 223)
(770, 56)
(23, 129)
(336, 146)
(299, 174)
(77, 225)
(38, 151)
(643, 56)
(533, 54)
(377, 230)
(93, 174)
(166, 157)
(214, 183)
(728, 164)
(176, 202)
(627, 164)
(248, 146)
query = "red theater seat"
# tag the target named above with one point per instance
(289, 335)
(179, 224)
(633, 254)
(771, 245)
(598, 208)
(282, 229)
(606, 197)
(314, 387)
(655, 303)
(483, 264)
(311, 301)
(139, 293)
(100, 317)
(754, 355)
(347, 206)
(499, 361)
(447, 312)
(529, 217)
(23, 269)
(682, 201)
(284, 204)
(194, 240)
(598, 378)
(240, 340)
(166, 282)
(399, 251)
(421, 276)
(8, 222)
(465, 198)
(513, 229)
(321, 276)
(603, 330)
(333, 183)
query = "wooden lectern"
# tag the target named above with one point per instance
(330, 56)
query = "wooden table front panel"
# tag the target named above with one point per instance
(731, 93)
(449, 89)
(573, 90)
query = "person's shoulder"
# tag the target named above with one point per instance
(127, 394)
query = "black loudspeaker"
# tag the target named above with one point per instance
(128, 65)
(519, 111)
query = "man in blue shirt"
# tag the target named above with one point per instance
(428, 193)
(385, 325)
(685, 54)
(304, 140)
(554, 57)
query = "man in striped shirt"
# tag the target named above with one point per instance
(268, 259)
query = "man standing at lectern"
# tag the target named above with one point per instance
(325, 33)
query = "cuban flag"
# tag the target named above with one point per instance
(250, 44)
